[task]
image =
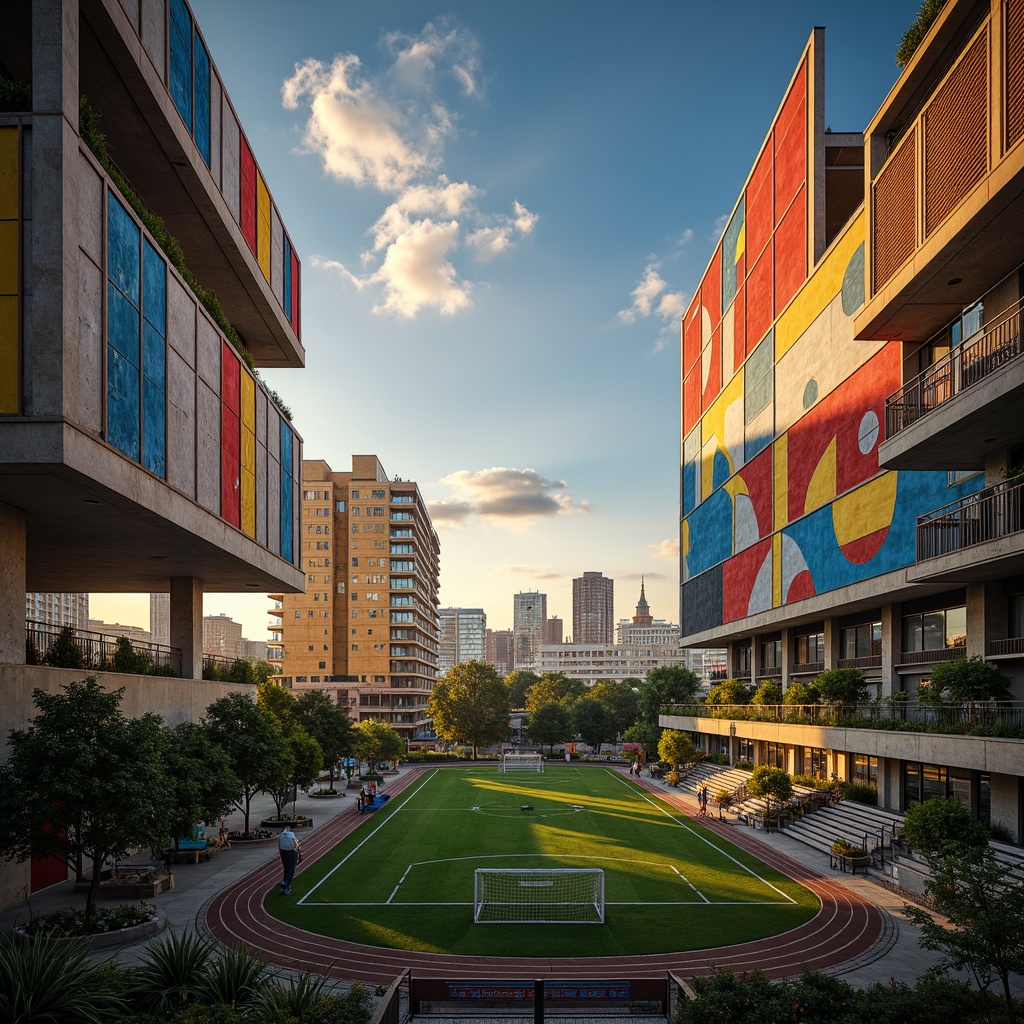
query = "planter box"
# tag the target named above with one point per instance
(115, 889)
(300, 822)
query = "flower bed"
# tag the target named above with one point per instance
(70, 924)
(254, 835)
(300, 821)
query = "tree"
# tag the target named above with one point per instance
(549, 724)
(930, 10)
(300, 769)
(471, 704)
(263, 670)
(669, 684)
(253, 741)
(935, 826)
(278, 702)
(518, 683)
(770, 784)
(729, 691)
(553, 686)
(965, 681)
(648, 736)
(376, 741)
(621, 701)
(769, 692)
(676, 748)
(590, 719)
(83, 783)
(328, 723)
(800, 693)
(984, 903)
(202, 786)
(841, 686)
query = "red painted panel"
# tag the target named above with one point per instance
(247, 187)
(790, 137)
(739, 326)
(738, 575)
(791, 252)
(691, 399)
(711, 288)
(759, 478)
(713, 386)
(760, 304)
(843, 416)
(691, 334)
(45, 872)
(230, 387)
(230, 476)
(760, 210)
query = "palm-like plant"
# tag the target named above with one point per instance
(173, 971)
(303, 998)
(46, 984)
(235, 978)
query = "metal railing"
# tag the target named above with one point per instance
(995, 512)
(992, 718)
(67, 647)
(1012, 645)
(868, 661)
(965, 365)
(933, 656)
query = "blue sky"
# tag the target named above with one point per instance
(502, 209)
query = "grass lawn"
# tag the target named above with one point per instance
(405, 879)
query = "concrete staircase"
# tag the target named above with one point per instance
(857, 824)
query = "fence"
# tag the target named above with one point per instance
(67, 647)
(996, 512)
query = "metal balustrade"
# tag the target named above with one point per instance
(995, 512)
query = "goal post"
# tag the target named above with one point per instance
(538, 896)
(522, 763)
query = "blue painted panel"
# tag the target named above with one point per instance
(201, 92)
(154, 288)
(154, 357)
(287, 279)
(154, 428)
(710, 527)
(180, 45)
(721, 470)
(123, 238)
(689, 487)
(122, 404)
(754, 444)
(122, 325)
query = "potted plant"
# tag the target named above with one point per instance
(724, 800)
(850, 856)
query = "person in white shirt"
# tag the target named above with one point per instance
(288, 846)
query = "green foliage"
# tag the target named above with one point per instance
(770, 784)
(300, 769)
(964, 681)
(717, 759)
(848, 849)
(841, 686)
(471, 703)
(172, 971)
(648, 736)
(729, 691)
(83, 782)
(1001, 832)
(15, 96)
(590, 719)
(930, 10)
(937, 826)
(278, 702)
(621, 701)
(549, 724)
(242, 672)
(518, 683)
(236, 978)
(69, 924)
(46, 984)
(64, 652)
(127, 659)
(669, 684)
(801, 693)
(769, 692)
(676, 748)
(375, 741)
(328, 723)
(553, 686)
(859, 793)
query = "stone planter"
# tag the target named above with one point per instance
(101, 940)
(298, 822)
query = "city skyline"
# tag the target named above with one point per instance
(466, 192)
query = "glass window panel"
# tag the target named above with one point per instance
(934, 631)
(913, 638)
(911, 784)
(956, 626)
(1017, 615)
(933, 782)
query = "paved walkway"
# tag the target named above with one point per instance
(861, 935)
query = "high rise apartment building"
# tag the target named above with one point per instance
(366, 627)
(463, 637)
(138, 451)
(593, 609)
(222, 636)
(58, 609)
(160, 618)
(529, 619)
(554, 630)
(501, 650)
(853, 376)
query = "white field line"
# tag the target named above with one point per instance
(704, 839)
(689, 883)
(608, 903)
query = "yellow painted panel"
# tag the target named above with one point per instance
(248, 502)
(776, 570)
(248, 397)
(722, 430)
(8, 173)
(865, 510)
(780, 464)
(262, 225)
(821, 488)
(8, 257)
(8, 353)
(823, 286)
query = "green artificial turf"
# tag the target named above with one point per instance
(405, 879)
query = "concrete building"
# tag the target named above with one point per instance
(463, 637)
(554, 630)
(852, 383)
(602, 663)
(222, 636)
(58, 609)
(160, 618)
(501, 650)
(529, 617)
(593, 609)
(368, 618)
(138, 451)
(116, 629)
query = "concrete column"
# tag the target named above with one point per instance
(833, 638)
(892, 643)
(787, 656)
(12, 585)
(755, 661)
(187, 624)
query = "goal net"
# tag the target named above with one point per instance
(522, 763)
(538, 896)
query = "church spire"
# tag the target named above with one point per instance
(643, 615)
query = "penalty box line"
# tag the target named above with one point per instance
(703, 839)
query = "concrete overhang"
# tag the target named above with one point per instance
(992, 560)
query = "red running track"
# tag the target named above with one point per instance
(846, 927)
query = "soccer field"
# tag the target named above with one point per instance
(405, 879)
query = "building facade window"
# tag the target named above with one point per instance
(935, 630)
(810, 648)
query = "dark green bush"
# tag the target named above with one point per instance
(939, 826)
(859, 793)
(65, 652)
(15, 97)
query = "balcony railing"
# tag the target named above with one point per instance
(993, 513)
(868, 661)
(967, 364)
(808, 667)
(66, 647)
(934, 656)
(984, 718)
(1012, 645)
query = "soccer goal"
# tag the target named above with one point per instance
(522, 763)
(538, 896)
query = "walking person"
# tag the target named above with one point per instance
(288, 847)
(702, 799)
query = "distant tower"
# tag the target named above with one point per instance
(160, 618)
(643, 615)
(529, 614)
(593, 609)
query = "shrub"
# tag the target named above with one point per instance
(1001, 832)
(811, 782)
(964, 680)
(845, 849)
(800, 693)
(940, 826)
(930, 10)
(859, 793)
(745, 765)
(64, 652)
(15, 96)
(841, 686)
(769, 692)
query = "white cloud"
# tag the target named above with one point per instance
(534, 572)
(651, 297)
(666, 549)
(449, 512)
(491, 241)
(441, 50)
(512, 497)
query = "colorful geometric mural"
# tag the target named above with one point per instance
(782, 410)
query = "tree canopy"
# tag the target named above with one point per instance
(590, 719)
(965, 681)
(549, 724)
(83, 783)
(801, 693)
(676, 748)
(669, 684)
(471, 704)
(299, 769)
(328, 724)
(553, 686)
(772, 785)
(518, 683)
(376, 741)
(729, 691)
(937, 826)
(620, 700)
(769, 692)
(841, 686)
